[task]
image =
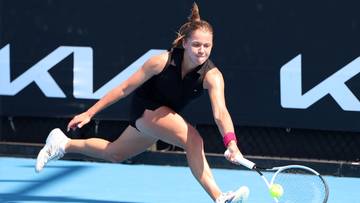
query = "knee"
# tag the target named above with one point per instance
(194, 140)
(113, 156)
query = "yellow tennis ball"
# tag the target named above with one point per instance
(276, 190)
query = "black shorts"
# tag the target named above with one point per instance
(138, 107)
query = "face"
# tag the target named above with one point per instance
(198, 46)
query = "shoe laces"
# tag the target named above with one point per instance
(53, 152)
(225, 197)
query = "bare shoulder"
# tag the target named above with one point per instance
(156, 63)
(213, 78)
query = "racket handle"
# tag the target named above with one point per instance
(245, 162)
(241, 160)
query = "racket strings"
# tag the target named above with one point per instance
(300, 186)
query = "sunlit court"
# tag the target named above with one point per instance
(78, 181)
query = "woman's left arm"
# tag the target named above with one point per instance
(214, 83)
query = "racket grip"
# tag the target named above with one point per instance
(245, 162)
(241, 160)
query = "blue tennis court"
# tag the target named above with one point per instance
(93, 182)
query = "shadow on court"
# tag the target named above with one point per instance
(22, 193)
(13, 197)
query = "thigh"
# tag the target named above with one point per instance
(166, 125)
(130, 143)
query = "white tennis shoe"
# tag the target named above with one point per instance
(239, 196)
(54, 149)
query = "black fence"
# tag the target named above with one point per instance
(253, 141)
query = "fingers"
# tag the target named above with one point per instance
(232, 156)
(83, 123)
(229, 155)
(71, 125)
(78, 121)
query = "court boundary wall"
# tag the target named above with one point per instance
(325, 167)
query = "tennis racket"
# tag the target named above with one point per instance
(300, 184)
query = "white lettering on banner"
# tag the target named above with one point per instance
(291, 87)
(82, 67)
(83, 78)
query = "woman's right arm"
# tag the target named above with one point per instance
(150, 68)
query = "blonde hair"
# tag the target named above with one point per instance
(194, 23)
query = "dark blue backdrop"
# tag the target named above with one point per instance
(253, 40)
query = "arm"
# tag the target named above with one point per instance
(150, 68)
(214, 82)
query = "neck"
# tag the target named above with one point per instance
(187, 64)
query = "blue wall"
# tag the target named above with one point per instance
(253, 41)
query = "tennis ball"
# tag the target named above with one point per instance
(276, 190)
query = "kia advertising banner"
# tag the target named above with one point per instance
(292, 64)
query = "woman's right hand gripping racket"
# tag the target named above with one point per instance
(291, 183)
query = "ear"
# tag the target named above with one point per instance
(184, 42)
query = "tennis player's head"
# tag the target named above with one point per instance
(196, 37)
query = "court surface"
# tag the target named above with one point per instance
(93, 182)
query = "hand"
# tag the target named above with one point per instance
(232, 152)
(79, 121)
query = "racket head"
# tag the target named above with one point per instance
(300, 184)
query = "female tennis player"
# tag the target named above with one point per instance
(162, 87)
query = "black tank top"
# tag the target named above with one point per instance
(168, 88)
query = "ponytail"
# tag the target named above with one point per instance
(195, 15)
(194, 23)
